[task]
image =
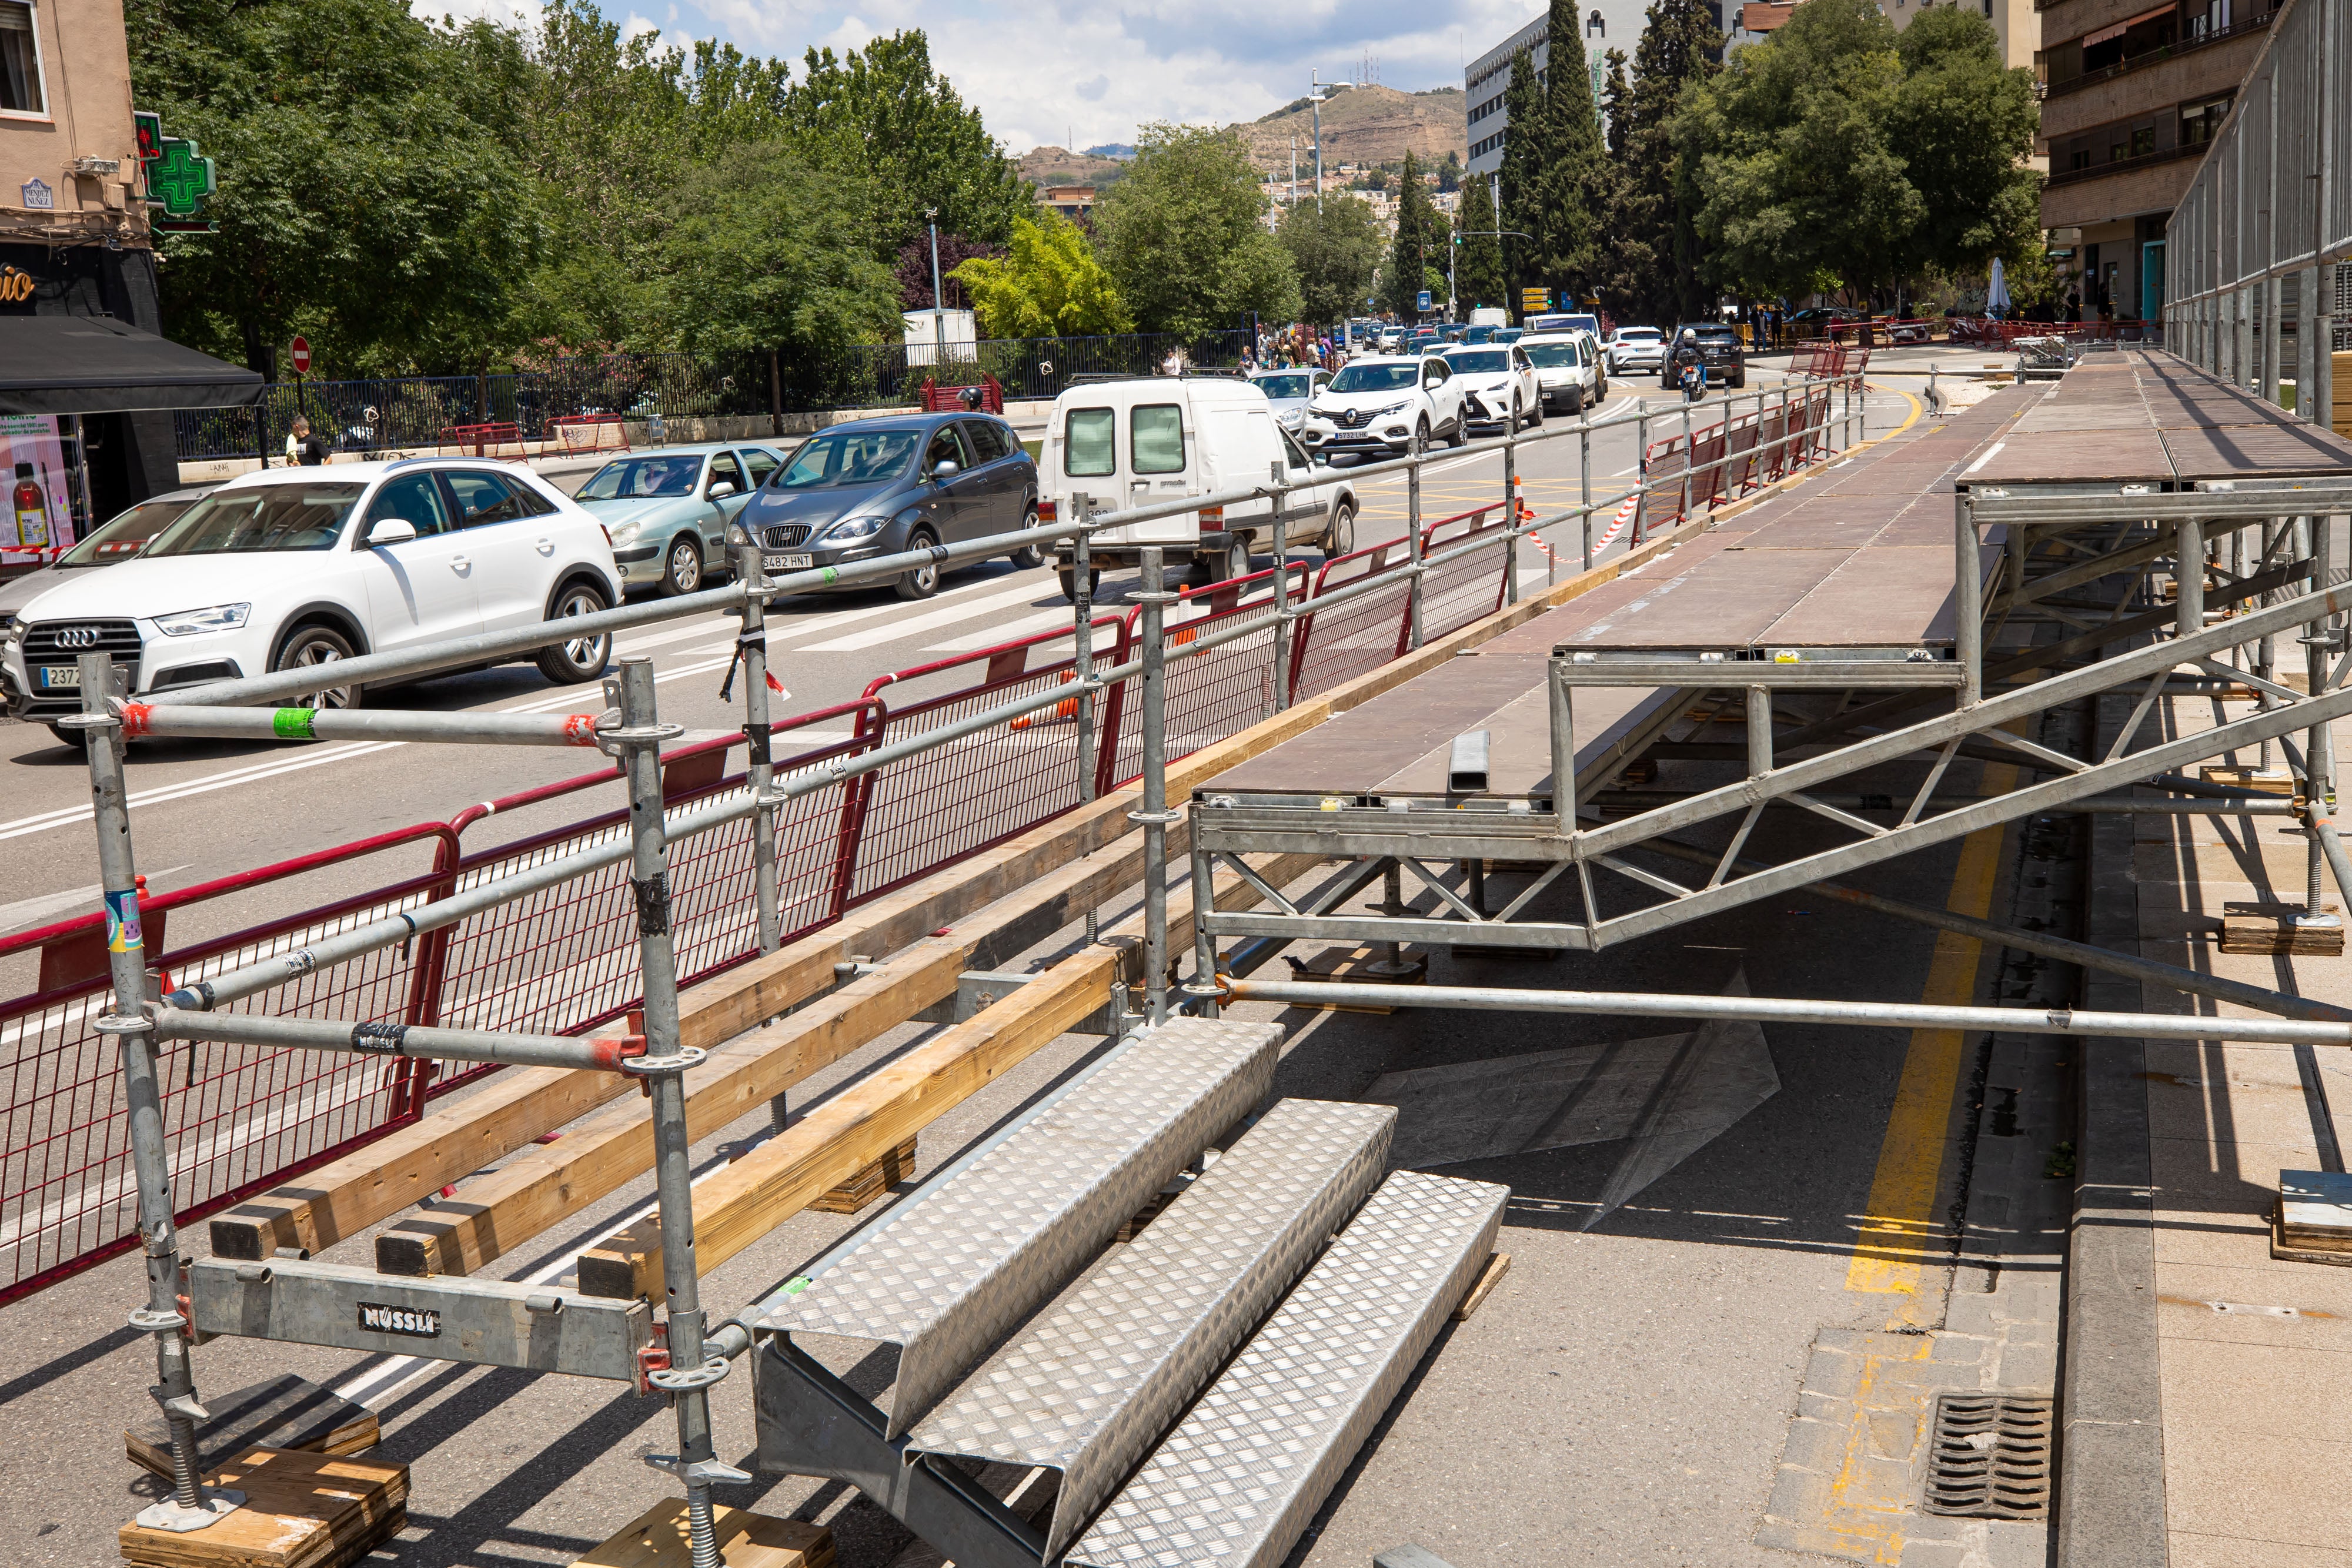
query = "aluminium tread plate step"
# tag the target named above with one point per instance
(1238, 1480)
(943, 1274)
(1089, 1387)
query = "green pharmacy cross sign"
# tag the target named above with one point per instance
(180, 179)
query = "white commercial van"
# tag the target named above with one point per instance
(1128, 442)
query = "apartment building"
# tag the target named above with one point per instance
(2132, 94)
(75, 241)
(1608, 25)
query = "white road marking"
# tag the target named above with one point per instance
(894, 630)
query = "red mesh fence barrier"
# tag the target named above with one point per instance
(1350, 639)
(1454, 593)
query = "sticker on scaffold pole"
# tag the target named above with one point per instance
(122, 933)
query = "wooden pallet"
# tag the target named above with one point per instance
(1354, 966)
(301, 1510)
(286, 1412)
(870, 1183)
(656, 1539)
(2269, 930)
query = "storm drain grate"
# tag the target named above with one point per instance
(1991, 1457)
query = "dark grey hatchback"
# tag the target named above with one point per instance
(879, 486)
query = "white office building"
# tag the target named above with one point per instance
(1608, 25)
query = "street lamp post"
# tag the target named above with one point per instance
(938, 303)
(1315, 97)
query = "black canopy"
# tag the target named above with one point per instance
(94, 364)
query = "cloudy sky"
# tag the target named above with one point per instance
(1087, 73)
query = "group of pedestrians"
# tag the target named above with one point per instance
(1293, 348)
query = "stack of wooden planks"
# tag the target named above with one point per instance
(301, 1510)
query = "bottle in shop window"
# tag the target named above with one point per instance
(31, 504)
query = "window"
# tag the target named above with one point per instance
(261, 517)
(630, 478)
(1086, 442)
(945, 447)
(760, 462)
(850, 456)
(1596, 26)
(482, 499)
(1155, 436)
(1290, 448)
(2079, 159)
(725, 469)
(1433, 373)
(20, 61)
(2143, 140)
(987, 439)
(414, 500)
(2199, 121)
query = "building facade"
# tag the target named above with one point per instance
(1608, 25)
(74, 236)
(2131, 97)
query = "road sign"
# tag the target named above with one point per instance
(299, 351)
(1534, 299)
(1424, 300)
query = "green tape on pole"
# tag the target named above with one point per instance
(293, 723)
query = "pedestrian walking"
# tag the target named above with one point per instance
(302, 448)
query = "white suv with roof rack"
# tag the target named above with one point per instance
(287, 568)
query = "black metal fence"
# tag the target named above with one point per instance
(406, 413)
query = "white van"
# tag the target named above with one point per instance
(1124, 442)
(1490, 316)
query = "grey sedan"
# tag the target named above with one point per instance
(881, 487)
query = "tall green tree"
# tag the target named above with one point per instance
(771, 251)
(368, 186)
(1183, 238)
(1568, 216)
(1478, 261)
(1525, 157)
(1050, 286)
(1840, 155)
(1335, 245)
(883, 110)
(1647, 273)
(1417, 257)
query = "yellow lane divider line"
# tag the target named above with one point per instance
(1898, 1236)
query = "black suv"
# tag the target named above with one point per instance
(1718, 345)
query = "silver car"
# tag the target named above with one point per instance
(1290, 391)
(667, 509)
(119, 538)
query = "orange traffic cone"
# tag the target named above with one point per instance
(1525, 513)
(1067, 708)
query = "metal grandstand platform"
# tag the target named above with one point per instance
(1902, 611)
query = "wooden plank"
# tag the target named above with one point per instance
(287, 1412)
(870, 1183)
(2270, 930)
(656, 1539)
(301, 1510)
(490, 1216)
(1497, 1265)
(735, 1206)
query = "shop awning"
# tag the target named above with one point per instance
(94, 364)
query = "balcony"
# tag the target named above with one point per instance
(2125, 165)
(2157, 56)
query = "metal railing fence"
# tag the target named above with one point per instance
(987, 747)
(2270, 199)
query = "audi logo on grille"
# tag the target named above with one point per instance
(78, 637)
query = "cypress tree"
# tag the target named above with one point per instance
(1478, 274)
(1523, 160)
(1649, 273)
(1569, 226)
(1422, 236)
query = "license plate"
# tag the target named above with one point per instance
(788, 562)
(58, 679)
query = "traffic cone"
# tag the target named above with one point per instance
(1525, 513)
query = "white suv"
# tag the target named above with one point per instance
(287, 568)
(1569, 367)
(1632, 349)
(1499, 385)
(1385, 405)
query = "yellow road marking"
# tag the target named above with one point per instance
(1898, 1227)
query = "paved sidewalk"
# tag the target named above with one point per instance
(2252, 1355)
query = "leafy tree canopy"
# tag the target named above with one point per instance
(1183, 239)
(1050, 286)
(1336, 248)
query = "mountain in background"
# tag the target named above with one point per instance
(1122, 151)
(1051, 165)
(1369, 124)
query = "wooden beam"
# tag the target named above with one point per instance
(735, 1206)
(490, 1214)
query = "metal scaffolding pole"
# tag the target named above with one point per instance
(691, 1373)
(1155, 816)
(192, 1505)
